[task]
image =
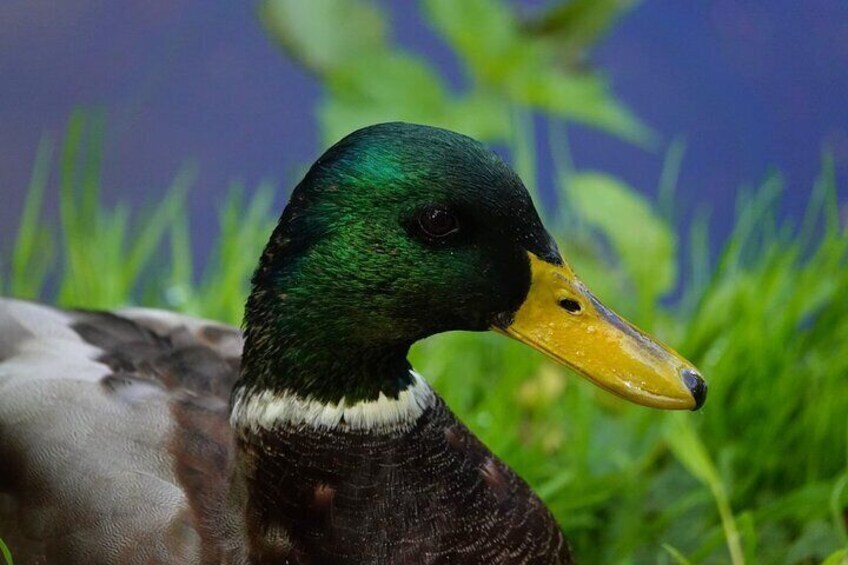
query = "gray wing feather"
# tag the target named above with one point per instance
(87, 474)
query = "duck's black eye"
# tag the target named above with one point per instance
(437, 222)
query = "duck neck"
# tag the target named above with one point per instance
(281, 358)
(302, 365)
(329, 386)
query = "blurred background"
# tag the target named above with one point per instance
(747, 86)
(688, 156)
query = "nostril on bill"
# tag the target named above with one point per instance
(696, 385)
(570, 305)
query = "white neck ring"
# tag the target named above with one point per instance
(268, 410)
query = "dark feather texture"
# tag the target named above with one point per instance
(433, 494)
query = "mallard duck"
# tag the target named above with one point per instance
(143, 436)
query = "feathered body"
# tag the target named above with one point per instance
(128, 456)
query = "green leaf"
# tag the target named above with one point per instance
(839, 557)
(480, 114)
(325, 34)
(577, 24)
(484, 34)
(526, 70)
(641, 240)
(384, 87)
(579, 97)
(7, 554)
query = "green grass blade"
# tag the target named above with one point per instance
(523, 150)
(179, 292)
(563, 216)
(837, 508)
(675, 554)
(7, 554)
(92, 165)
(669, 177)
(149, 238)
(28, 267)
(690, 451)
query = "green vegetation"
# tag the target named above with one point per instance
(510, 66)
(760, 475)
(4, 551)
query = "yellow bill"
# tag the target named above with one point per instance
(562, 319)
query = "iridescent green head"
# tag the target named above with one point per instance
(397, 232)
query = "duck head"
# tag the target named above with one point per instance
(402, 231)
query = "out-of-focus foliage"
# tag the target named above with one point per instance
(633, 230)
(760, 475)
(7, 555)
(509, 65)
(576, 25)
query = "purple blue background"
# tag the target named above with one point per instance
(750, 85)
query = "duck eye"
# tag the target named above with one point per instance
(437, 222)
